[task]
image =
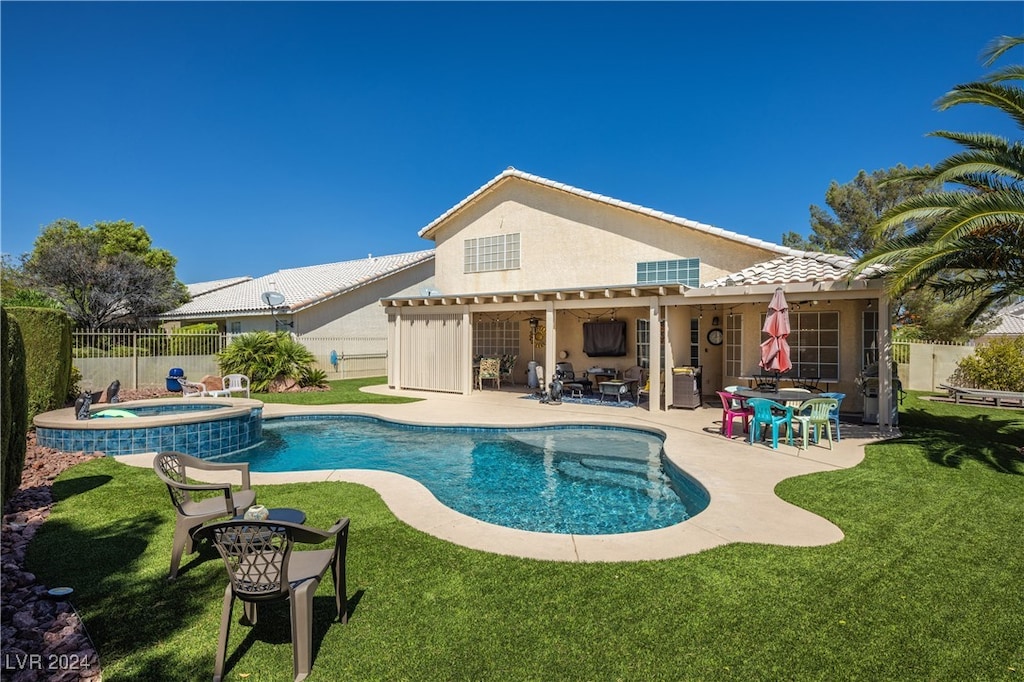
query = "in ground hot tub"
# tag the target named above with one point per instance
(203, 427)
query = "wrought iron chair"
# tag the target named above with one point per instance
(508, 366)
(732, 407)
(770, 414)
(187, 496)
(816, 413)
(263, 568)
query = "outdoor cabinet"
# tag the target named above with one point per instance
(686, 387)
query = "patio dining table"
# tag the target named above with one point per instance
(783, 395)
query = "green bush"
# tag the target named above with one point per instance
(997, 365)
(74, 389)
(265, 356)
(47, 337)
(127, 351)
(195, 339)
(14, 410)
(313, 378)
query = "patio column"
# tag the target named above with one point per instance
(550, 343)
(467, 357)
(395, 356)
(885, 378)
(654, 371)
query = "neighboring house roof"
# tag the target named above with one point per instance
(301, 287)
(201, 288)
(505, 175)
(1011, 321)
(808, 267)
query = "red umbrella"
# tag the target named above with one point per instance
(775, 350)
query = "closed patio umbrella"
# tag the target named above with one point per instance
(775, 349)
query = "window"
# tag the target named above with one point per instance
(734, 345)
(236, 327)
(869, 340)
(814, 344)
(486, 254)
(683, 271)
(643, 342)
(496, 338)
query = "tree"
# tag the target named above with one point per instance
(856, 208)
(16, 289)
(104, 274)
(967, 241)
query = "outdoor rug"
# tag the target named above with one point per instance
(585, 401)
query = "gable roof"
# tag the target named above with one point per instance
(511, 174)
(301, 287)
(807, 267)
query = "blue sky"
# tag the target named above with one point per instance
(249, 137)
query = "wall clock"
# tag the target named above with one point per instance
(715, 337)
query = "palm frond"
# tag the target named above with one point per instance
(1007, 100)
(995, 49)
(1013, 72)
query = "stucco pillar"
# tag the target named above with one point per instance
(395, 357)
(467, 352)
(654, 371)
(550, 343)
(885, 378)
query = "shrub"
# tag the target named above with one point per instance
(313, 378)
(74, 389)
(47, 337)
(997, 365)
(14, 410)
(265, 356)
(195, 339)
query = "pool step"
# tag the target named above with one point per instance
(610, 464)
(616, 477)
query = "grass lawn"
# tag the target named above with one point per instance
(346, 391)
(927, 584)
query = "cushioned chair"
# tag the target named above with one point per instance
(636, 374)
(567, 375)
(815, 413)
(490, 370)
(508, 366)
(770, 414)
(263, 568)
(834, 414)
(194, 502)
(732, 407)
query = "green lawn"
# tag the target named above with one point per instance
(346, 391)
(927, 584)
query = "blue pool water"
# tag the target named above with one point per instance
(582, 480)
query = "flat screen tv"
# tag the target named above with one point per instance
(604, 339)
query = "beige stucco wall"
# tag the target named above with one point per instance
(569, 241)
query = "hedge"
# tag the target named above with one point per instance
(14, 410)
(47, 337)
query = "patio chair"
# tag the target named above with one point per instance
(233, 383)
(192, 389)
(815, 413)
(490, 370)
(739, 400)
(508, 366)
(263, 568)
(833, 415)
(567, 375)
(770, 414)
(732, 407)
(636, 374)
(193, 510)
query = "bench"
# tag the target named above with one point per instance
(959, 393)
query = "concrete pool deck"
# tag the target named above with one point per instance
(740, 478)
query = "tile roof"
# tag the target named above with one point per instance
(808, 267)
(301, 287)
(200, 288)
(1011, 321)
(636, 208)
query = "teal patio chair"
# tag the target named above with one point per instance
(770, 414)
(815, 413)
(834, 414)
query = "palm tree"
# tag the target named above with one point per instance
(966, 241)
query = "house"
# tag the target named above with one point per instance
(1009, 323)
(524, 263)
(332, 300)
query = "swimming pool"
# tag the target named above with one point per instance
(586, 480)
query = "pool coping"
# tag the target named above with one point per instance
(739, 477)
